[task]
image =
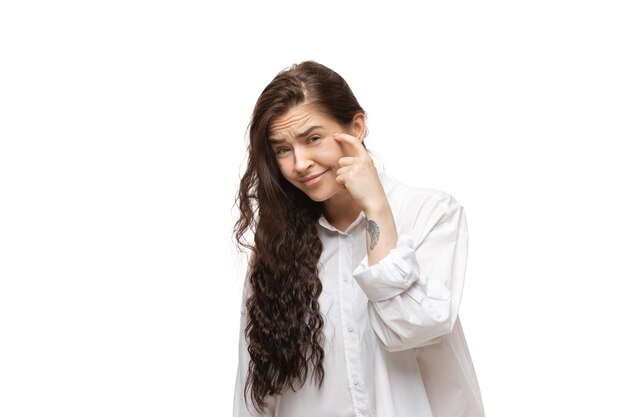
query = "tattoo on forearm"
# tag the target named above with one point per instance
(374, 232)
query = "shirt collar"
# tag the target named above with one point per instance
(324, 223)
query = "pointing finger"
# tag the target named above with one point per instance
(351, 144)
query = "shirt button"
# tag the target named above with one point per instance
(350, 329)
(345, 279)
(355, 380)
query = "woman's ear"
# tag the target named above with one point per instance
(359, 126)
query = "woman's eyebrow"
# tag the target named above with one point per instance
(275, 141)
(299, 135)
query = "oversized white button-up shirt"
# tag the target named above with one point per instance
(394, 346)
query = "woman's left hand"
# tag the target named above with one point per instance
(358, 174)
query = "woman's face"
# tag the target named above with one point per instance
(306, 152)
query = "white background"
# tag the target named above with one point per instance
(122, 127)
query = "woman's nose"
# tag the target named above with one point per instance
(303, 160)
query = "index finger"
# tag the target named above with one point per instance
(350, 144)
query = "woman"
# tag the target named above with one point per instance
(354, 284)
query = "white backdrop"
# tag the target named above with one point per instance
(122, 128)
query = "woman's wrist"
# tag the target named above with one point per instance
(377, 209)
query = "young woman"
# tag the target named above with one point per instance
(351, 298)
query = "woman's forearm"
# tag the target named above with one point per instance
(381, 235)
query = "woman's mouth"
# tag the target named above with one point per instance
(314, 179)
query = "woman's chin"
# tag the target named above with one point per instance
(324, 195)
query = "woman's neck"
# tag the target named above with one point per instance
(340, 210)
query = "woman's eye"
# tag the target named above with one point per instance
(313, 139)
(280, 151)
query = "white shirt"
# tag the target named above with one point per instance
(394, 346)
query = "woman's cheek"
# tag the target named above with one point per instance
(282, 166)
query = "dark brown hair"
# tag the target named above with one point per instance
(284, 325)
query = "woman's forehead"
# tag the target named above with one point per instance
(296, 118)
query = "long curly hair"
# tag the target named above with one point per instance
(284, 327)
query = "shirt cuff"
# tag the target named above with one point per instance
(393, 274)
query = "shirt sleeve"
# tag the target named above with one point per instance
(240, 408)
(414, 292)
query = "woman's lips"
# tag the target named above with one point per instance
(314, 180)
